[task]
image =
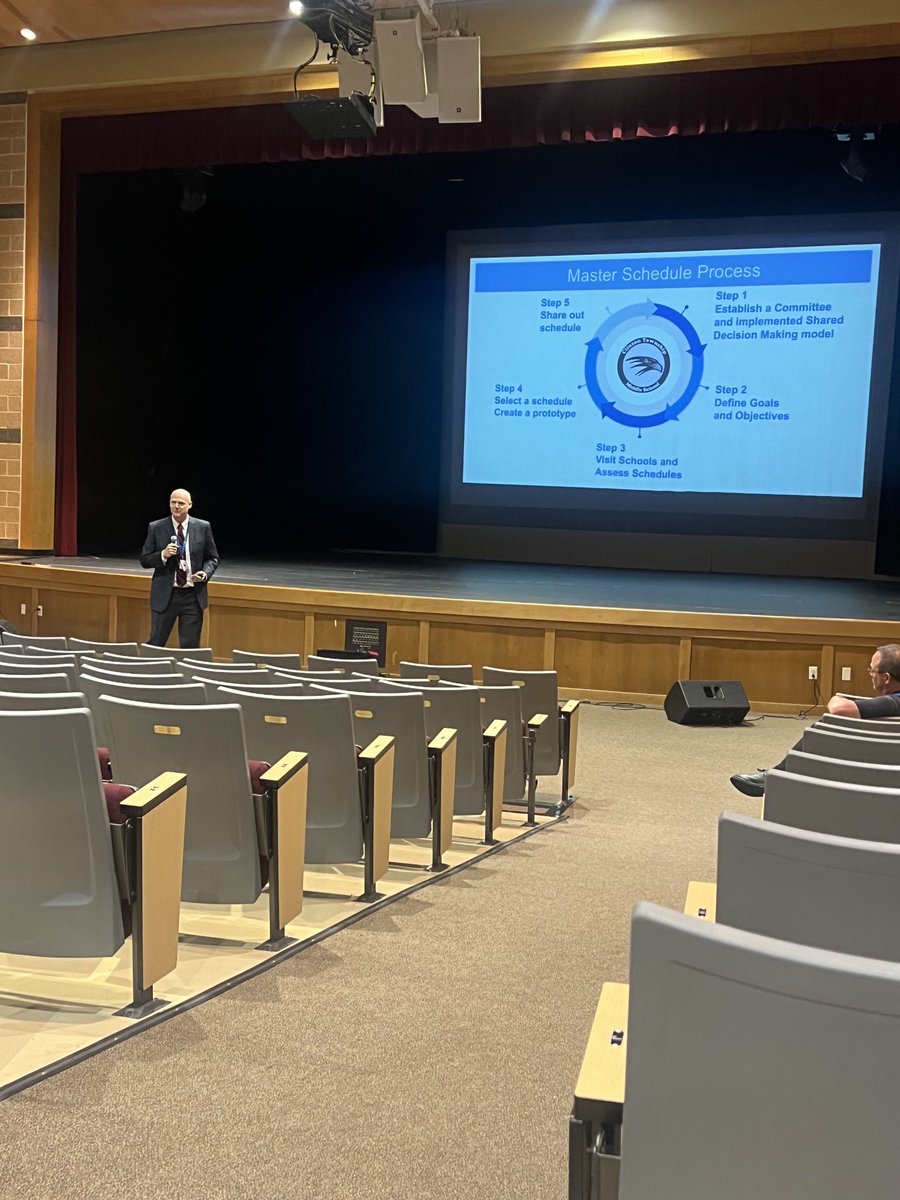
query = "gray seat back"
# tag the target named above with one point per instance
(23, 681)
(221, 847)
(833, 892)
(356, 683)
(853, 725)
(856, 749)
(842, 770)
(841, 809)
(540, 694)
(322, 725)
(43, 654)
(455, 672)
(155, 678)
(197, 652)
(23, 640)
(400, 715)
(103, 647)
(29, 668)
(6, 649)
(59, 894)
(505, 704)
(350, 666)
(768, 1048)
(292, 688)
(270, 660)
(457, 708)
(290, 673)
(147, 693)
(112, 665)
(29, 701)
(235, 671)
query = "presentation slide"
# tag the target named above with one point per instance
(735, 371)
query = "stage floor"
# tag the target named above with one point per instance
(664, 591)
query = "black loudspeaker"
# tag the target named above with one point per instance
(706, 702)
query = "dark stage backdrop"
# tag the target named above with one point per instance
(280, 352)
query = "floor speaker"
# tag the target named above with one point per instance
(706, 702)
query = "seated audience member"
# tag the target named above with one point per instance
(884, 671)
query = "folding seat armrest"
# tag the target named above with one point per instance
(155, 816)
(285, 786)
(532, 728)
(700, 900)
(597, 1109)
(494, 741)
(568, 744)
(442, 783)
(375, 765)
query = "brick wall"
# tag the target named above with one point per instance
(12, 285)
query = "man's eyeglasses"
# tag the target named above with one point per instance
(872, 671)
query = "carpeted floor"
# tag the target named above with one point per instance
(429, 1051)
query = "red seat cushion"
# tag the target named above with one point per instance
(115, 793)
(257, 769)
(105, 767)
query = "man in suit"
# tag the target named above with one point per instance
(182, 553)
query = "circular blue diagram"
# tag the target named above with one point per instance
(644, 364)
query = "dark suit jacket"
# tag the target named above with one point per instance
(204, 557)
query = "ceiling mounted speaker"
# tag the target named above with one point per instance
(459, 79)
(401, 61)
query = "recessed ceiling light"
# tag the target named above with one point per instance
(28, 34)
(295, 8)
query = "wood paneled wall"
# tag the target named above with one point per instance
(600, 653)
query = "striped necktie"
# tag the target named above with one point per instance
(181, 573)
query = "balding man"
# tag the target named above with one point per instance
(181, 551)
(884, 672)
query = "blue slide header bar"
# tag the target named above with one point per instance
(676, 270)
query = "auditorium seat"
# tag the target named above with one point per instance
(268, 660)
(455, 672)
(824, 806)
(68, 888)
(134, 666)
(349, 666)
(460, 709)
(753, 1067)
(32, 701)
(836, 893)
(23, 681)
(205, 671)
(196, 652)
(129, 648)
(28, 669)
(851, 746)
(284, 687)
(156, 678)
(539, 695)
(228, 854)
(850, 724)
(149, 693)
(138, 660)
(402, 717)
(505, 704)
(842, 770)
(356, 683)
(290, 673)
(323, 727)
(23, 640)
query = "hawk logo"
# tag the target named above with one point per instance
(643, 364)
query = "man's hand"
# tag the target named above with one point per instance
(198, 577)
(169, 550)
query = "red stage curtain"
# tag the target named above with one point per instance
(766, 98)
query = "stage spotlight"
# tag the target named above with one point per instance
(854, 162)
(194, 184)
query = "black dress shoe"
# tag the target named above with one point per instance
(750, 785)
